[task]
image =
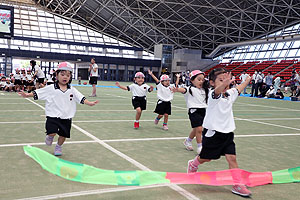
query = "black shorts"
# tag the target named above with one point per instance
(60, 126)
(163, 107)
(196, 116)
(50, 83)
(18, 82)
(93, 80)
(139, 102)
(29, 83)
(40, 80)
(217, 145)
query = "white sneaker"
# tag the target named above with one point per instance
(199, 150)
(188, 145)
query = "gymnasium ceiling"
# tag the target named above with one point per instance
(196, 24)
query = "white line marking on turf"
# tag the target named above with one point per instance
(148, 139)
(265, 106)
(178, 189)
(43, 143)
(265, 123)
(93, 192)
(143, 120)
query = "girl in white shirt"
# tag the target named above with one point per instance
(61, 99)
(196, 101)
(139, 91)
(217, 137)
(165, 96)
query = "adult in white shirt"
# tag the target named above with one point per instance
(38, 74)
(243, 79)
(256, 78)
(93, 76)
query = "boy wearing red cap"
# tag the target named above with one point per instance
(165, 96)
(60, 105)
(139, 91)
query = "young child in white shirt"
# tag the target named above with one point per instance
(165, 96)
(60, 107)
(196, 100)
(217, 136)
(139, 91)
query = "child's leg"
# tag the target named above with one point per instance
(138, 113)
(237, 188)
(157, 119)
(49, 139)
(188, 141)
(61, 140)
(193, 164)
(58, 150)
(198, 133)
(165, 124)
(94, 89)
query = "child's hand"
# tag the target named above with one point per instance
(227, 79)
(118, 84)
(150, 72)
(91, 103)
(174, 89)
(177, 75)
(248, 78)
(22, 94)
(151, 88)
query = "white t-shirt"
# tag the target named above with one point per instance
(164, 93)
(17, 76)
(29, 77)
(138, 90)
(92, 72)
(49, 78)
(219, 115)
(58, 103)
(257, 78)
(243, 77)
(40, 73)
(197, 100)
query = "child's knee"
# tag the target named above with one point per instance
(138, 110)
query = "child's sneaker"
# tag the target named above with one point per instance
(156, 121)
(241, 190)
(57, 150)
(136, 124)
(165, 127)
(191, 168)
(49, 140)
(188, 145)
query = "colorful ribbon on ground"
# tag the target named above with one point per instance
(89, 174)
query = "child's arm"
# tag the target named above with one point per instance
(176, 89)
(177, 80)
(241, 87)
(90, 103)
(153, 76)
(120, 86)
(25, 95)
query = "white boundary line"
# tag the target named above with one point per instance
(149, 120)
(148, 139)
(176, 188)
(266, 106)
(91, 192)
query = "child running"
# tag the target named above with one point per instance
(217, 136)
(196, 100)
(165, 96)
(139, 91)
(60, 105)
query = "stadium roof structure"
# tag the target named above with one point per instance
(195, 24)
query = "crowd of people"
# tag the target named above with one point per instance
(26, 79)
(266, 86)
